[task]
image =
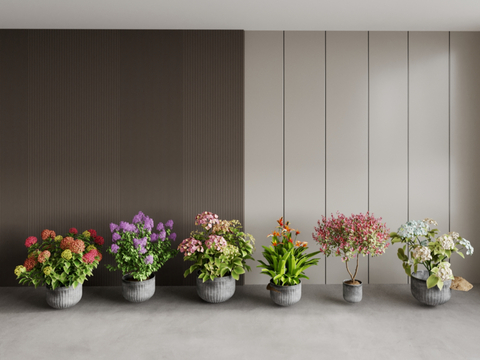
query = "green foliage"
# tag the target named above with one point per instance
(57, 271)
(221, 249)
(286, 261)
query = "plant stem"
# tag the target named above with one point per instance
(356, 269)
(351, 276)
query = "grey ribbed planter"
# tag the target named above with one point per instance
(64, 297)
(216, 291)
(433, 296)
(352, 293)
(285, 295)
(137, 291)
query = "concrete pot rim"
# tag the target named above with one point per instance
(360, 281)
(127, 279)
(285, 286)
(62, 288)
(217, 279)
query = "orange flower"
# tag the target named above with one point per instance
(298, 243)
(290, 241)
(297, 232)
(280, 221)
(274, 242)
(275, 233)
(304, 244)
(287, 228)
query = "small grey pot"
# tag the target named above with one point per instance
(433, 296)
(352, 293)
(64, 297)
(285, 295)
(217, 290)
(137, 291)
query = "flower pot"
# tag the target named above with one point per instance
(285, 295)
(433, 296)
(352, 293)
(64, 297)
(137, 291)
(217, 290)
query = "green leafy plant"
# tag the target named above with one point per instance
(429, 250)
(137, 249)
(220, 249)
(60, 261)
(286, 257)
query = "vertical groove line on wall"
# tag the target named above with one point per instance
(283, 130)
(368, 140)
(449, 144)
(325, 102)
(408, 136)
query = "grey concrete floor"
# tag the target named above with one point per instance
(175, 324)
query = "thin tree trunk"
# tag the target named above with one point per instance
(351, 276)
(356, 270)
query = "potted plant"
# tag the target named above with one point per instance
(432, 285)
(350, 237)
(139, 251)
(60, 263)
(219, 252)
(286, 264)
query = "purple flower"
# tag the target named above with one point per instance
(169, 224)
(140, 242)
(148, 224)
(137, 219)
(160, 226)
(115, 248)
(122, 225)
(116, 236)
(154, 237)
(113, 227)
(162, 235)
(148, 259)
(172, 236)
(142, 250)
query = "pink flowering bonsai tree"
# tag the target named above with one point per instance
(220, 249)
(60, 261)
(350, 237)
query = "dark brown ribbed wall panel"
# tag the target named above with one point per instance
(73, 134)
(97, 125)
(151, 133)
(13, 151)
(213, 133)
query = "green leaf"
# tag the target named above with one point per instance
(432, 281)
(238, 270)
(461, 254)
(401, 255)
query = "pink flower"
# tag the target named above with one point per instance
(44, 255)
(89, 257)
(30, 241)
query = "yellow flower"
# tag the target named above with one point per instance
(48, 270)
(86, 233)
(19, 269)
(90, 247)
(58, 238)
(67, 254)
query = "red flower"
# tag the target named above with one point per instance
(30, 263)
(290, 241)
(92, 232)
(297, 232)
(52, 234)
(98, 240)
(45, 234)
(30, 241)
(73, 231)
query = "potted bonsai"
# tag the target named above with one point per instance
(219, 252)
(60, 263)
(139, 251)
(350, 237)
(431, 285)
(286, 264)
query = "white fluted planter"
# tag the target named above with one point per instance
(217, 290)
(137, 291)
(64, 297)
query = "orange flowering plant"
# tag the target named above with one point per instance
(60, 261)
(286, 257)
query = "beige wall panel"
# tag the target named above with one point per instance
(388, 144)
(347, 134)
(263, 139)
(305, 137)
(465, 147)
(429, 127)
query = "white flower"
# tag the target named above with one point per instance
(430, 221)
(454, 235)
(444, 272)
(467, 245)
(422, 253)
(446, 241)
